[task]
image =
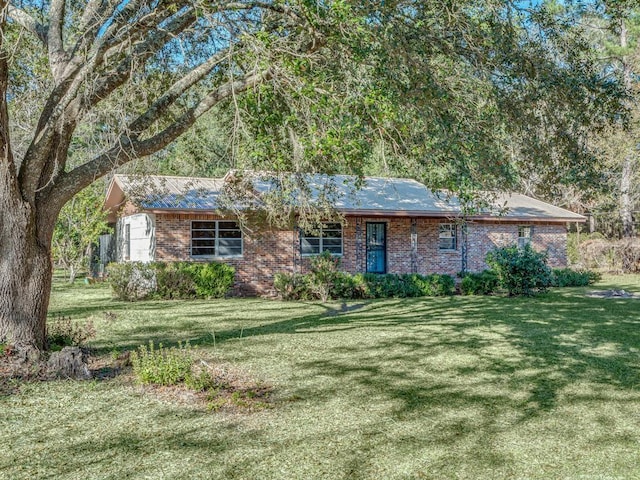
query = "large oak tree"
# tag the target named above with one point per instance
(451, 92)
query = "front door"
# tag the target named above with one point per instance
(376, 247)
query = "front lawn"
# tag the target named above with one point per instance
(433, 388)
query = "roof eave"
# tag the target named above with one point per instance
(507, 218)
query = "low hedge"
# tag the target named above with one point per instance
(566, 277)
(362, 286)
(481, 283)
(173, 280)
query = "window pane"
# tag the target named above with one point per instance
(228, 226)
(203, 225)
(230, 242)
(332, 226)
(447, 244)
(229, 234)
(329, 238)
(203, 238)
(201, 251)
(200, 242)
(331, 242)
(524, 232)
(309, 246)
(203, 234)
(229, 251)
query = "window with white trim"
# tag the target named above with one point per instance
(524, 235)
(219, 238)
(327, 239)
(447, 236)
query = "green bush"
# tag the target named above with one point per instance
(292, 286)
(342, 285)
(174, 280)
(213, 280)
(520, 271)
(135, 280)
(566, 277)
(132, 280)
(324, 273)
(162, 366)
(481, 283)
(434, 285)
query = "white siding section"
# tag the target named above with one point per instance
(142, 238)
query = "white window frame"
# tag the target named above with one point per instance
(452, 229)
(320, 238)
(216, 238)
(522, 238)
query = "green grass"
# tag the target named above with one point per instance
(434, 388)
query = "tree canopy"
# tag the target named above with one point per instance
(457, 93)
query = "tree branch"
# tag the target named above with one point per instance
(175, 91)
(27, 22)
(142, 51)
(7, 166)
(52, 123)
(57, 56)
(130, 147)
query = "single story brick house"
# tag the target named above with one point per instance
(389, 225)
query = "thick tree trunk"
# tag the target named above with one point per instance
(25, 272)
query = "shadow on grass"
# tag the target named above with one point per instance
(539, 345)
(488, 354)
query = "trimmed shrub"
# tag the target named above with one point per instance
(292, 286)
(134, 280)
(521, 271)
(324, 273)
(360, 286)
(213, 280)
(434, 285)
(174, 280)
(481, 283)
(566, 277)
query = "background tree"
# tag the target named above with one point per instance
(616, 33)
(80, 223)
(447, 92)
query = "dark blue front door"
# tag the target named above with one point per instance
(376, 247)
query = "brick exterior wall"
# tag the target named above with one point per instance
(412, 246)
(264, 254)
(483, 237)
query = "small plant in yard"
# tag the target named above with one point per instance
(64, 332)
(214, 384)
(292, 286)
(160, 365)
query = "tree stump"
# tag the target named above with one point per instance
(70, 362)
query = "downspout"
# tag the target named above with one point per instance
(464, 246)
(359, 256)
(414, 246)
